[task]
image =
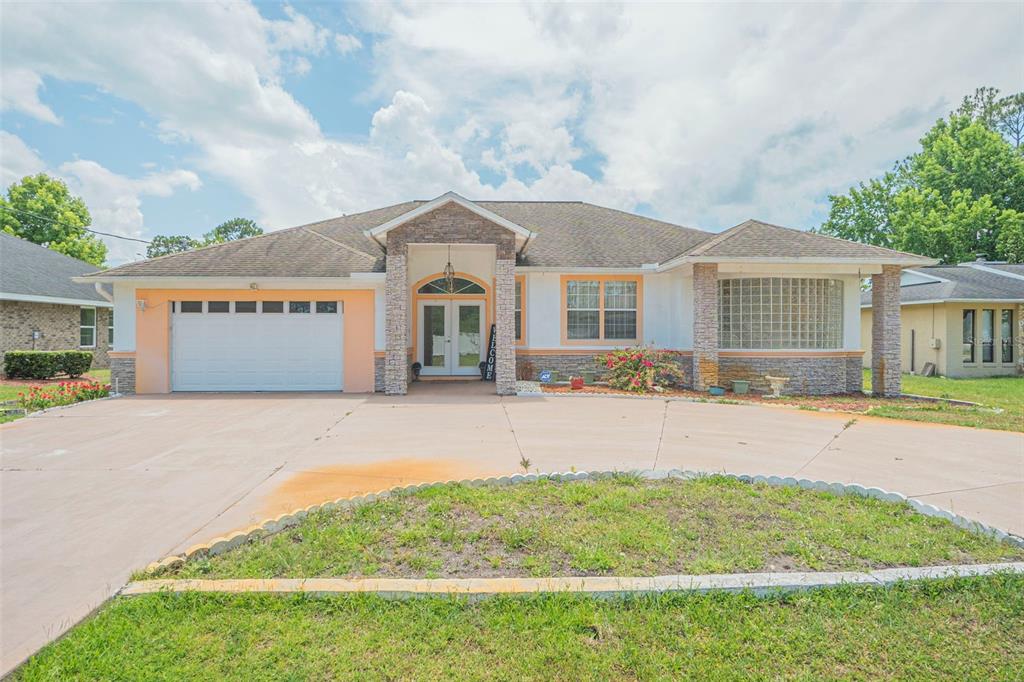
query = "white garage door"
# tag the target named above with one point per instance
(256, 346)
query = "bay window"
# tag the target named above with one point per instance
(774, 313)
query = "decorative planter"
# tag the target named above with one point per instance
(716, 390)
(483, 370)
(588, 377)
(740, 386)
(576, 383)
(416, 367)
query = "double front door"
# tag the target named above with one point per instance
(451, 337)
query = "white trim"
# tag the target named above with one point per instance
(360, 280)
(783, 260)
(994, 271)
(523, 269)
(448, 198)
(954, 300)
(94, 326)
(933, 278)
(32, 298)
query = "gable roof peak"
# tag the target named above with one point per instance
(449, 197)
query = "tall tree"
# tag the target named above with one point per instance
(228, 231)
(42, 210)
(954, 198)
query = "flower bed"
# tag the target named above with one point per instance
(65, 393)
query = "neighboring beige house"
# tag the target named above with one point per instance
(967, 319)
(359, 302)
(42, 309)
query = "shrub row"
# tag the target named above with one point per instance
(43, 364)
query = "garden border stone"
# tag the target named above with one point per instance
(221, 544)
(760, 584)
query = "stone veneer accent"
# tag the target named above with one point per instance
(448, 224)
(58, 324)
(705, 325)
(575, 364)
(885, 332)
(826, 375)
(379, 363)
(122, 375)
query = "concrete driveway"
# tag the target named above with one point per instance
(93, 492)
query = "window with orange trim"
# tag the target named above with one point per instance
(605, 309)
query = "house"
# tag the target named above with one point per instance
(41, 308)
(967, 320)
(353, 302)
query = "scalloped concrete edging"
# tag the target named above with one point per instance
(760, 584)
(222, 544)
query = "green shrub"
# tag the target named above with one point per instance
(43, 364)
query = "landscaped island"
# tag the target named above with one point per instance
(622, 525)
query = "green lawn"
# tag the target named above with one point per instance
(948, 629)
(615, 526)
(1005, 394)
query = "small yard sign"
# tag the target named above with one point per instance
(545, 376)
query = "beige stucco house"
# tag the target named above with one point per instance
(967, 320)
(354, 303)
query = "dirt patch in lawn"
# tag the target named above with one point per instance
(622, 525)
(347, 480)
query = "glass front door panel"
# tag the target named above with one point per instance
(434, 336)
(469, 336)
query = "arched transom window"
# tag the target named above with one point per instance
(459, 286)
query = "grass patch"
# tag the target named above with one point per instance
(616, 526)
(948, 629)
(9, 390)
(1002, 400)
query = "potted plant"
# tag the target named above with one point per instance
(740, 386)
(588, 376)
(483, 370)
(716, 390)
(416, 367)
(576, 383)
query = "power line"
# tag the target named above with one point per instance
(53, 222)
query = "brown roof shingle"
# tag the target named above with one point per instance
(568, 234)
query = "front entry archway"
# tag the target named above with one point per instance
(450, 323)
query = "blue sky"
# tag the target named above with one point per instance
(173, 118)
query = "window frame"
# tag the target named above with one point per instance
(91, 327)
(1006, 342)
(110, 327)
(601, 279)
(990, 315)
(973, 343)
(520, 311)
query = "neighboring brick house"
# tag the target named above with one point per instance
(352, 303)
(41, 308)
(967, 320)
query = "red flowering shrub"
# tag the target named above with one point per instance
(64, 393)
(640, 369)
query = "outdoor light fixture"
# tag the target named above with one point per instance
(449, 273)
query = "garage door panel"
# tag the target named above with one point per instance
(256, 352)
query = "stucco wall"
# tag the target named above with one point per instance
(59, 325)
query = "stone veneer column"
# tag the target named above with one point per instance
(885, 332)
(705, 325)
(396, 316)
(122, 374)
(504, 323)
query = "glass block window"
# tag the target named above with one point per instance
(772, 313)
(583, 307)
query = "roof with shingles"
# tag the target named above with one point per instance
(567, 234)
(962, 282)
(29, 269)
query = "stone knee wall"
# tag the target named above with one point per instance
(576, 364)
(122, 375)
(807, 375)
(58, 324)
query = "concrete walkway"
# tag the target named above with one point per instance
(91, 493)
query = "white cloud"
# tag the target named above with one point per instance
(114, 200)
(19, 91)
(346, 44)
(17, 159)
(707, 113)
